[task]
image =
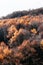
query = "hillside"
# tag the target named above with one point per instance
(21, 38)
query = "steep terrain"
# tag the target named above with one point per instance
(21, 39)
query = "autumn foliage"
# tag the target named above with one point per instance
(21, 40)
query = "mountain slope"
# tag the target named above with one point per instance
(21, 39)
